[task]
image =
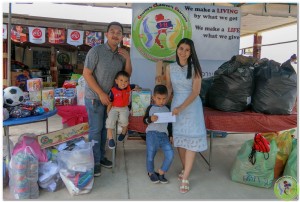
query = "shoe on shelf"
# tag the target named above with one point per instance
(121, 137)
(97, 170)
(111, 144)
(154, 178)
(162, 178)
(106, 163)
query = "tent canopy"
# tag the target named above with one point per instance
(256, 17)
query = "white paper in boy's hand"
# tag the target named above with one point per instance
(165, 117)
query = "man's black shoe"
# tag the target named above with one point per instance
(106, 163)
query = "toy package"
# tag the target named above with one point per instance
(35, 96)
(35, 84)
(48, 98)
(140, 101)
(65, 96)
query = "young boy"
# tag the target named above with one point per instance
(118, 109)
(157, 135)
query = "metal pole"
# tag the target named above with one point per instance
(9, 48)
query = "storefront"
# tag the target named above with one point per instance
(57, 53)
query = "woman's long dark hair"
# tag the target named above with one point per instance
(192, 60)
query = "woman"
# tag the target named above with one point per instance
(189, 133)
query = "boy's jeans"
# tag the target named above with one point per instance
(97, 130)
(154, 141)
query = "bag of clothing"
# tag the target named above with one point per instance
(261, 174)
(291, 165)
(232, 86)
(275, 88)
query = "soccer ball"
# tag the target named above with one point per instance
(13, 96)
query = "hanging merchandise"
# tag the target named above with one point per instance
(18, 33)
(56, 36)
(75, 37)
(93, 38)
(37, 35)
(4, 32)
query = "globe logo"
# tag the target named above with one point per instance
(157, 31)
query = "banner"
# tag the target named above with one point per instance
(37, 35)
(18, 33)
(4, 31)
(216, 31)
(75, 37)
(93, 38)
(158, 27)
(56, 36)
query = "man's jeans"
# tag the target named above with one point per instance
(97, 130)
(154, 141)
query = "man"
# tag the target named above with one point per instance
(101, 65)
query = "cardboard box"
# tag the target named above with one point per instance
(140, 101)
(64, 135)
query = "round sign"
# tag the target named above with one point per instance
(286, 188)
(63, 59)
(37, 33)
(157, 31)
(75, 35)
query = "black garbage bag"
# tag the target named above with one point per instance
(275, 88)
(233, 85)
(205, 85)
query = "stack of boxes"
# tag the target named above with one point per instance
(65, 96)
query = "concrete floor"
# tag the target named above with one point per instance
(129, 181)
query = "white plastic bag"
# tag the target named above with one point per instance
(77, 168)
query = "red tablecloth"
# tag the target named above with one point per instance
(72, 115)
(247, 121)
(234, 121)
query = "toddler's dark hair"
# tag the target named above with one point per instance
(122, 73)
(160, 89)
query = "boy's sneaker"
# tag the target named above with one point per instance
(111, 144)
(97, 170)
(162, 178)
(153, 177)
(121, 137)
(106, 163)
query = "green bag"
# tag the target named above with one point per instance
(261, 174)
(291, 165)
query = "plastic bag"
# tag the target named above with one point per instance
(23, 175)
(283, 141)
(291, 165)
(77, 168)
(28, 139)
(49, 178)
(261, 174)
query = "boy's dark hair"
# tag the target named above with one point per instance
(160, 89)
(122, 73)
(26, 68)
(114, 23)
